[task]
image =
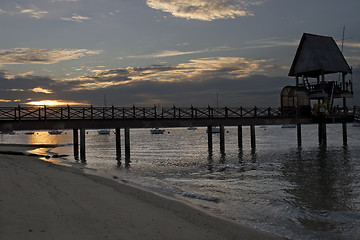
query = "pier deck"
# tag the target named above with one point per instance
(81, 118)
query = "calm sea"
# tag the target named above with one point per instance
(310, 192)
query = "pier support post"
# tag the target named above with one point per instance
(322, 133)
(222, 139)
(252, 135)
(76, 143)
(240, 138)
(210, 142)
(82, 145)
(344, 128)
(298, 129)
(118, 144)
(127, 145)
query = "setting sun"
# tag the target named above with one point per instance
(53, 103)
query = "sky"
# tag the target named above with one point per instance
(163, 52)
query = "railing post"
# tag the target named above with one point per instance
(174, 112)
(19, 112)
(39, 113)
(134, 113)
(255, 111)
(226, 112)
(68, 110)
(83, 113)
(44, 112)
(112, 112)
(61, 113)
(241, 112)
(269, 112)
(144, 113)
(91, 111)
(155, 113)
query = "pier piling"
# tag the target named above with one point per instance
(118, 144)
(76, 143)
(240, 138)
(209, 132)
(82, 145)
(252, 135)
(222, 139)
(127, 145)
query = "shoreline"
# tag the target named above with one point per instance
(44, 200)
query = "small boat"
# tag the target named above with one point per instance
(214, 129)
(104, 132)
(55, 132)
(29, 133)
(356, 124)
(192, 128)
(157, 131)
(288, 126)
(10, 132)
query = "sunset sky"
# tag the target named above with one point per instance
(163, 52)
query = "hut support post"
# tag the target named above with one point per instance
(322, 133)
(344, 128)
(118, 144)
(209, 132)
(82, 145)
(76, 143)
(222, 139)
(298, 128)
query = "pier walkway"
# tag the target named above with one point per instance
(90, 117)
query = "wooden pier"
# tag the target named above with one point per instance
(81, 118)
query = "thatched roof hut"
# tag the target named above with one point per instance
(318, 55)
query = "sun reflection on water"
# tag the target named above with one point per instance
(43, 137)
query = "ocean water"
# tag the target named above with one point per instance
(312, 192)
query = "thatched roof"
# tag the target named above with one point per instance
(316, 55)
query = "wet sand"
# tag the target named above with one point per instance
(40, 200)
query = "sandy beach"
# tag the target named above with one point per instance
(40, 200)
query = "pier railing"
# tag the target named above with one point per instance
(118, 113)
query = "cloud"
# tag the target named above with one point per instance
(41, 56)
(271, 42)
(33, 11)
(206, 10)
(196, 70)
(173, 53)
(41, 90)
(76, 18)
(352, 44)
